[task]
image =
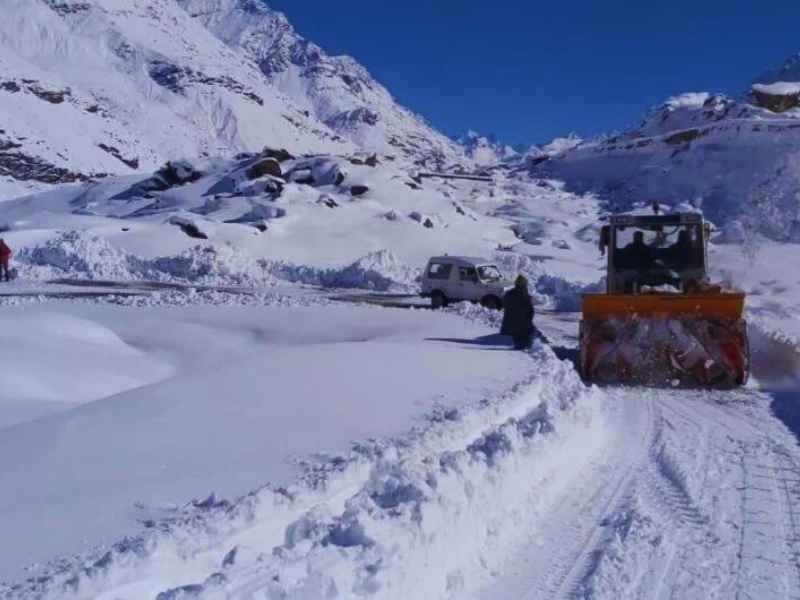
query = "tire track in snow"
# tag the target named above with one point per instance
(566, 547)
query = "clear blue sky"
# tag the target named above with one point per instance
(530, 70)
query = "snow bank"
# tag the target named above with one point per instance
(78, 255)
(423, 515)
(380, 271)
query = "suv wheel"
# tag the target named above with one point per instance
(492, 302)
(438, 299)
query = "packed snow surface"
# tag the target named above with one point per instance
(178, 404)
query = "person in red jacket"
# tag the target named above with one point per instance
(5, 259)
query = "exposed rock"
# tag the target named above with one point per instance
(423, 220)
(52, 96)
(176, 173)
(561, 245)
(358, 190)
(328, 201)
(372, 160)
(265, 166)
(189, 228)
(176, 79)
(171, 175)
(259, 214)
(24, 167)
(264, 185)
(280, 154)
(778, 97)
(530, 232)
(683, 137)
(133, 163)
(392, 215)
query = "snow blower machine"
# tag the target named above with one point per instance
(660, 321)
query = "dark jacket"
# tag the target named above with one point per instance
(5, 252)
(518, 315)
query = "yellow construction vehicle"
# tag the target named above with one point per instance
(660, 322)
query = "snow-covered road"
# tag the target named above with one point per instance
(549, 489)
(695, 495)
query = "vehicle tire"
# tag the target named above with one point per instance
(492, 302)
(438, 300)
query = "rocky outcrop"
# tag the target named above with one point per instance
(777, 97)
(177, 79)
(133, 163)
(265, 166)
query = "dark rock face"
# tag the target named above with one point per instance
(23, 167)
(358, 190)
(683, 137)
(170, 175)
(280, 154)
(133, 163)
(328, 201)
(52, 96)
(68, 8)
(37, 89)
(351, 118)
(176, 79)
(265, 166)
(191, 230)
(776, 103)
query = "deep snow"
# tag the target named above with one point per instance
(158, 406)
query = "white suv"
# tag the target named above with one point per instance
(455, 278)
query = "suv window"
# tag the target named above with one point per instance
(468, 274)
(439, 270)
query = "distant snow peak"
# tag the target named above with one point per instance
(485, 150)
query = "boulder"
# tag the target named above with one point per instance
(423, 220)
(264, 166)
(189, 227)
(326, 200)
(280, 155)
(358, 190)
(301, 176)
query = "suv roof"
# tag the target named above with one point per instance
(461, 260)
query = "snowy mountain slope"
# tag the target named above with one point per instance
(788, 71)
(336, 89)
(113, 86)
(323, 212)
(737, 159)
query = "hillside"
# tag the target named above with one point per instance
(101, 87)
(736, 158)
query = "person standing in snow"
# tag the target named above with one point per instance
(5, 259)
(518, 314)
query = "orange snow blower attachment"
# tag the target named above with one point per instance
(659, 323)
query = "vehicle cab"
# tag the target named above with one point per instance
(456, 278)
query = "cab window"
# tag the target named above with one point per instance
(439, 271)
(468, 274)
